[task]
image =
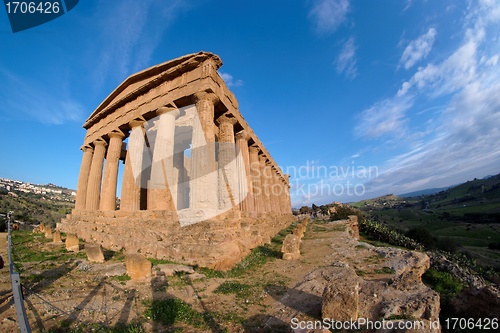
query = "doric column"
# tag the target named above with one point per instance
(83, 178)
(179, 186)
(205, 103)
(264, 176)
(288, 206)
(256, 181)
(282, 196)
(95, 176)
(203, 176)
(228, 177)
(244, 178)
(108, 201)
(131, 184)
(274, 190)
(159, 195)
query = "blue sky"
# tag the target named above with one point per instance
(354, 99)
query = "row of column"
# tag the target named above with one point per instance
(261, 185)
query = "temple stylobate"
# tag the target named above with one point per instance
(198, 186)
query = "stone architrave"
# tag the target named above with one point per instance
(48, 232)
(83, 179)
(291, 247)
(94, 252)
(108, 200)
(56, 238)
(95, 176)
(72, 243)
(138, 267)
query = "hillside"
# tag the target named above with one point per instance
(34, 208)
(466, 217)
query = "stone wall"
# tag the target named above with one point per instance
(218, 243)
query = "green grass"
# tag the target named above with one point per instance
(241, 290)
(444, 283)
(98, 328)
(122, 278)
(384, 270)
(156, 262)
(173, 310)
(26, 248)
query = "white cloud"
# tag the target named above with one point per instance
(228, 78)
(329, 14)
(384, 118)
(418, 49)
(346, 60)
(461, 141)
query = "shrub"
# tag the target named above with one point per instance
(447, 244)
(444, 283)
(494, 246)
(423, 236)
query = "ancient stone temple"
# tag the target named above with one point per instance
(198, 186)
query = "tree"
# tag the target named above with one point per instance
(305, 210)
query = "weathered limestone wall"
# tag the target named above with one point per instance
(217, 243)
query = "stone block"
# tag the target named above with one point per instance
(409, 269)
(171, 269)
(94, 252)
(48, 232)
(353, 224)
(72, 243)
(299, 230)
(291, 247)
(193, 277)
(340, 301)
(56, 238)
(138, 267)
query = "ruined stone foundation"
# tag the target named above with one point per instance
(218, 243)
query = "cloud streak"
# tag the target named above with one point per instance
(328, 15)
(418, 49)
(131, 31)
(346, 61)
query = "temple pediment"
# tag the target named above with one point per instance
(138, 83)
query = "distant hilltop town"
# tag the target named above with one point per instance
(49, 191)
